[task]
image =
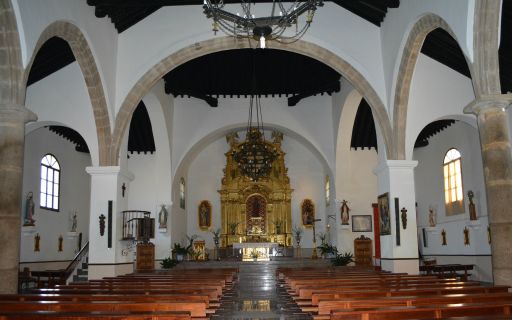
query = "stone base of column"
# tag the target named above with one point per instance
(98, 271)
(398, 265)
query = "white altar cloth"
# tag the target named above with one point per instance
(247, 249)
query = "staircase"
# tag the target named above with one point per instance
(82, 272)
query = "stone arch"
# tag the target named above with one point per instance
(314, 51)
(417, 35)
(83, 55)
(486, 31)
(11, 66)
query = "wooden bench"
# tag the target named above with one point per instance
(119, 315)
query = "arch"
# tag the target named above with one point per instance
(412, 48)
(486, 31)
(11, 66)
(192, 152)
(154, 74)
(83, 54)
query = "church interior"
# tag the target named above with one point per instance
(139, 133)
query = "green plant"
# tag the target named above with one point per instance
(326, 249)
(255, 254)
(178, 249)
(168, 263)
(322, 236)
(232, 227)
(343, 259)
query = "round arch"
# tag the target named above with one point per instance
(314, 51)
(193, 151)
(412, 48)
(83, 55)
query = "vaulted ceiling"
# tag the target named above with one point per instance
(225, 73)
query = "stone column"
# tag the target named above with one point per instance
(396, 177)
(12, 138)
(497, 161)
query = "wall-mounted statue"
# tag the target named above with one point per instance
(472, 209)
(162, 217)
(29, 210)
(432, 216)
(345, 213)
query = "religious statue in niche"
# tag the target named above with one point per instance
(472, 209)
(29, 210)
(443, 238)
(308, 213)
(432, 216)
(162, 217)
(345, 217)
(466, 236)
(205, 215)
(60, 246)
(37, 239)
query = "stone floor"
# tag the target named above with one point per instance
(257, 294)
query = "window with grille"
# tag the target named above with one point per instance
(50, 182)
(453, 192)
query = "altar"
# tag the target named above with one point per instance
(255, 251)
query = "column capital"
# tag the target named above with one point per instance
(109, 170)
(395, 164)
(16, 113)
(490, 101)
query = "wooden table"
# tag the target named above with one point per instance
(444, 270)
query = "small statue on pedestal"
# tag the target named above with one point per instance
(431, 216)
(472, 210)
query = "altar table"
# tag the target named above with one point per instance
(255, 251)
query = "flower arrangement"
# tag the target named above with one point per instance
(297, 233)
(232, 227)
(216, 236)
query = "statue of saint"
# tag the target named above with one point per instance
(431, 217)
(162, 218)
(74, 222)
(204, 220)
(345, 212)
(472, 209)
(29, 210)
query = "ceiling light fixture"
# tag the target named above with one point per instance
(272, 27)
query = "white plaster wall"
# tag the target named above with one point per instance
(74, 192)
(429, 186)
(62, 98)
(436, 92)
(306, 172)
(459, 15)
(194, 120)
(332, 29)
(100, 34)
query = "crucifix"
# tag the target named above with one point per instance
(314, 255)
(123, 188)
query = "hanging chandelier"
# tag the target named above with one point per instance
(245, 23)
(255, 156)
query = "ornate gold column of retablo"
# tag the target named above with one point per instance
(256, 211)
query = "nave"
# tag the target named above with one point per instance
(279, 289)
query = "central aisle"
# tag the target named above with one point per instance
(257, 295)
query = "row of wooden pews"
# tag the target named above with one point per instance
(365, 294)
(174, 294)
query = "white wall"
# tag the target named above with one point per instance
(436, 92)
(429, 192)
(75, 195)
(62, 97)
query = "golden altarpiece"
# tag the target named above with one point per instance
(256, 211)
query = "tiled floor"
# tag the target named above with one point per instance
(258, 295)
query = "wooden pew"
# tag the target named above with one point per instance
(120, 315)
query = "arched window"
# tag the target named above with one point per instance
(50, 180)
(453, 193)
(327, 190)
(182, 193)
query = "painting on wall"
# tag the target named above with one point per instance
(205, 215)
(384, 217)
(362, 223)
(308, 213)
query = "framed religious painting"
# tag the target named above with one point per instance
(204, 212)
(308, 213)
(384, 216)
(362, 223)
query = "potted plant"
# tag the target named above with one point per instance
(255, 254)
(297, 233)
(327, 250)
(343, 259)
(168, 263)
(179, 252)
